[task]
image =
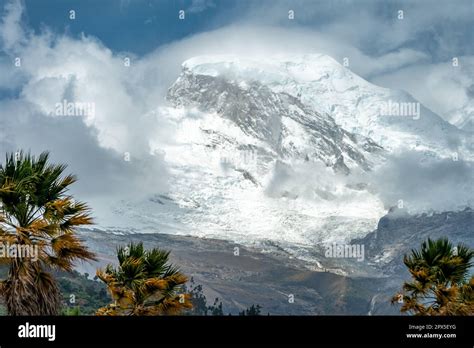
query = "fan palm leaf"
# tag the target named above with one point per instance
(439, 287)
(144, 283)
(36, 211)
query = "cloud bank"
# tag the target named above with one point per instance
(127, 90)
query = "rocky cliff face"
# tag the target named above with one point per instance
(291, 129)
(398, 232)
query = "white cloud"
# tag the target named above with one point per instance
(372, 26)
(264, 41)
(11, 31)
(200, 5)
(444, 88)
(57, 67)
(424, 183)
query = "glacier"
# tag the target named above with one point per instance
(276, 152)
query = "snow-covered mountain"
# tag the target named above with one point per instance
(321, 83)
(276, 151)
(288, 125)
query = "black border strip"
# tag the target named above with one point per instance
(265, 330)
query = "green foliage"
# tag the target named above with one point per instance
(72, 311)
(216, 308)
(88, 294)
(441, 284)
(251, 311)
(199, 301)
(36, 211)
(445, 264)
(144, 283)
(201, 306)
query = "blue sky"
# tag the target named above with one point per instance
(139, 26)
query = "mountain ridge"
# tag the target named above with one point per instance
(257, 155)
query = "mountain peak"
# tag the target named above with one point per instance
(243, 91)
(322, 84)
(270, 70)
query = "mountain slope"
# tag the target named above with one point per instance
(281, 153)
(321, 83)
(289, 128)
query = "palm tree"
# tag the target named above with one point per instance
(37, 215)
(144, 283)
(440, 283)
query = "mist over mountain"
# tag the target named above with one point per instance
(294, 149)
